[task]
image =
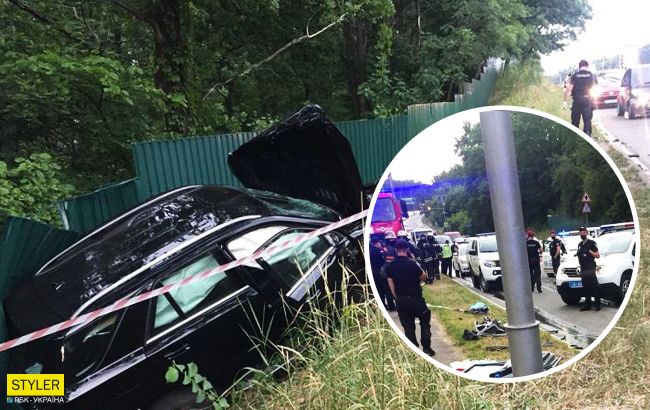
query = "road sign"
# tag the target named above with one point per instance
(585, 208)
(585, 198)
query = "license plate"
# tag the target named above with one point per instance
(575, 284)
(611, 101)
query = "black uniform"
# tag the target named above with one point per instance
(552, 248)
(405, 274)
(377, 261)
(588, 272)
(582, 81)
(533, 247)
(426, 258)
(436, 250)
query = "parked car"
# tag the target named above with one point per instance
(484, 267)
(605, 93)
(453, 235)
(634, 96)
(119, 360)
(459, 262)
(614, 269)
(417, 233)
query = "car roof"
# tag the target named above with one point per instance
(120, 248)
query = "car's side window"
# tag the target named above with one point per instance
(292, 263)
(178, 304)
(85, 348)
(244, 245)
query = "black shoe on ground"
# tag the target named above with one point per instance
(429, 351)
(584, 308)
(539, 291)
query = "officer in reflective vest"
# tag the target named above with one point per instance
(447, 254)
(580, 87)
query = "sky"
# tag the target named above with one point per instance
(432, 151)
(616, 27)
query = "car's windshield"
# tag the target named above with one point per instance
(641, 76)
(488, 244)
(610, 77)
(384, 210)
(462, 248)
(442, 239)
(615, 243)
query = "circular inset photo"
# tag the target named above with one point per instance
(502, 244)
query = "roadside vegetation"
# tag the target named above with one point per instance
(449, 302)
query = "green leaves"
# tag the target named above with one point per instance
(32, 188)
(200, 386)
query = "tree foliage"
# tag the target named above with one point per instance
(83, 80)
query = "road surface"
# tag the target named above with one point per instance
(633, 134)
(579, 328)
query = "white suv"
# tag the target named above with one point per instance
(613, 269)
(484, 267)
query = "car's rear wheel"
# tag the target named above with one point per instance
(619, 109)
(484, 284)
(570, 300)
(626, 278)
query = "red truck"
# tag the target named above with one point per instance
(387, 214)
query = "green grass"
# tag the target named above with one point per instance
(452, 295)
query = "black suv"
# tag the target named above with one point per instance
(119, 360)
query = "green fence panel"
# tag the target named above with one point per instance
(165, 165)
(375, 143)
(85, 212)
(25, 246)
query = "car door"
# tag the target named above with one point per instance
(203, 322)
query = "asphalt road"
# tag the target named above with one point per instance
(579, 328)
(634, 134)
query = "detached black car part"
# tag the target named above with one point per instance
(119, 360)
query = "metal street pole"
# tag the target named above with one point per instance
(501, 164)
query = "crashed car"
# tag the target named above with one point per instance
(119, 360)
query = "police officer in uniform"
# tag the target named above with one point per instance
(404, 276)
(413, 250)
(556, 249)
(426, 258)
(435, 254)
(580, 87)
(377, 260)
(587, 255)
(534, 250)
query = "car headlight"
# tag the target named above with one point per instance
(488, 264)
(594, 92)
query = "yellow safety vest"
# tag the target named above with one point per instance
(446, 251)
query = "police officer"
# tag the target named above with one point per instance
(555, 249)
(426, 258)
(404, 276)
(389, 247)
(534, 250)
(447, 255)
(377, 260)
(580, 87)
(587, 255)
(435, 254)
(413, 250)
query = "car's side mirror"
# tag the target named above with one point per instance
(472, 252)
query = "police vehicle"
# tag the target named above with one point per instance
(484, 266)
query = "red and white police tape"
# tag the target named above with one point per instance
(125, 302)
